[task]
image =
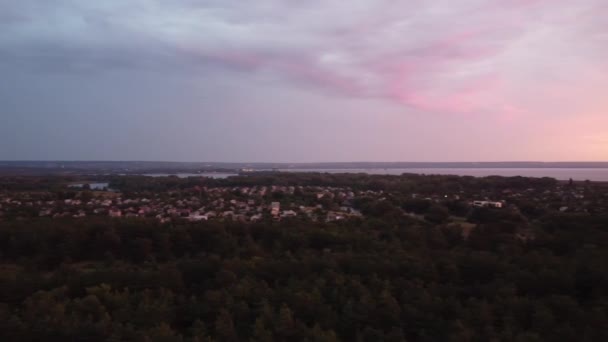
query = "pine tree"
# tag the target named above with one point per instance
(319, 335)
(199, 331)
(285, 324)
(260, 332)
(164, 333)
(224, 327)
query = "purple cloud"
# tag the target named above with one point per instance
(509, 60)
(432, 56)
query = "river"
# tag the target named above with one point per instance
(579, 174)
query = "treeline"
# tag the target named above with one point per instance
(405, 183)
(367, 280)
(423, 184)
(44, 182)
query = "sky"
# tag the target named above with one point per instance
(304, 81)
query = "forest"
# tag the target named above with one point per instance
(386, 276)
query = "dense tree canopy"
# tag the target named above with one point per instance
(133, 279)
(409, 270)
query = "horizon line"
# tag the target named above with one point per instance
(292, 162)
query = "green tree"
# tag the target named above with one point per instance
(260, 332)
(224, 327)
(285, 322)
(437, 214)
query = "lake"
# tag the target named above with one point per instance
(579, 174)
(218, 175)
(94, 186)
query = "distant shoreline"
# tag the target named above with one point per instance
(594, 171)
(152, 166)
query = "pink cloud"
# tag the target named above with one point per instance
(300, 69)
(467, 98)
(488, 61)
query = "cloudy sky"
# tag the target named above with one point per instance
(304, 81)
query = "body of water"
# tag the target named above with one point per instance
(218, 175)
(579, 174)
(94, 186)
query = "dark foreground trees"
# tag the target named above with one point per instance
(123, 280)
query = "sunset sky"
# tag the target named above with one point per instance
(304, 81)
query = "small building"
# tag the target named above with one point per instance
(289, 213)
(488, 204)
(115, 212)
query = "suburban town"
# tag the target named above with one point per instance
(277, 202)
(201, 204)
